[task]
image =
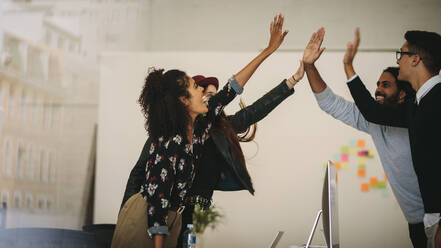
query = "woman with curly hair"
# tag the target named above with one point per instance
(178, 120)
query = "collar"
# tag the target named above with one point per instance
(426, 87)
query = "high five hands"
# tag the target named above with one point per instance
(276, 34)
(313, 50)
(351, 51)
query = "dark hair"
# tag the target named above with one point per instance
(428, 46)
(402, 85)
(165, 114)
(223, 126)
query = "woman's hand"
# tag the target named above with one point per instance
(277, 36)
(158, 240)
(352, 48)
(297, 76)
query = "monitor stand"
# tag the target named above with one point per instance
(317, 218)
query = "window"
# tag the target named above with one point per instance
(11, 104)
(28, 201)
(7, 156)
(52, 169)
(21, 160)
(5, 196)
(17, 199)
(41, 202)
(44, 167)
(31, 163)
(60, 42)
(48, 116)
(49, 203)
(48, 37)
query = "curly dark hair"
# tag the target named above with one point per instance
(165, 114)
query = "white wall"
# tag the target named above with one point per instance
(231, 25)
(294, 141)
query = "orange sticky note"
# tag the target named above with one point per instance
(361, 143)
(338, 165)
(373, 181)
(364, 187)
(361, 173)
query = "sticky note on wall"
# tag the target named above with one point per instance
(361, 173)
(344, 149)
(344, 157)
(373, 181)
(370, 153)
(361, 160)
(381, 184)
(344, 165)
(352, 143)
(353, 150)
(361, 143)
(364, 187)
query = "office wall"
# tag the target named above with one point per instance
(285, 162)
(230, 25)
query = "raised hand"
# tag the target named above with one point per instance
(277, 37)
(313, 50)
(352, 48)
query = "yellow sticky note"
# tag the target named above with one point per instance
(344, 165)
(344, 149)
(361, 143)
(352, 151)
(370, 153)
(382, 184)
(364, 187)
(361, 160)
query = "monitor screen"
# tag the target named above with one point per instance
(330, 207)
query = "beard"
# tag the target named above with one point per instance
(391, 99)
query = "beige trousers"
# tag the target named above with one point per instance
(131, 227)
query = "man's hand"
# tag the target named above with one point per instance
(352, 49)
(313, 50)
(277, 36)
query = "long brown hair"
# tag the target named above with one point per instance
(223, 126)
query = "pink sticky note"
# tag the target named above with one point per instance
(344, 157)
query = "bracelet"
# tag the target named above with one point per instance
(295, 80)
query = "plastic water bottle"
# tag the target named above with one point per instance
(189, 238)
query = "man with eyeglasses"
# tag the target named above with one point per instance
(392, 143)
(420, 62)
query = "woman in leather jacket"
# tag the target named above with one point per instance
(222, 164)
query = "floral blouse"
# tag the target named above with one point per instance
(170, 166)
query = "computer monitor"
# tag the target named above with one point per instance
(329, 209)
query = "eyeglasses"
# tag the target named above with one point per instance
(399, 54)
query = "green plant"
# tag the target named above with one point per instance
(203, 218)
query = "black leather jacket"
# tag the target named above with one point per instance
(233, 176)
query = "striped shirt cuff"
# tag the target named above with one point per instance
(235, 85)
(157, 230)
